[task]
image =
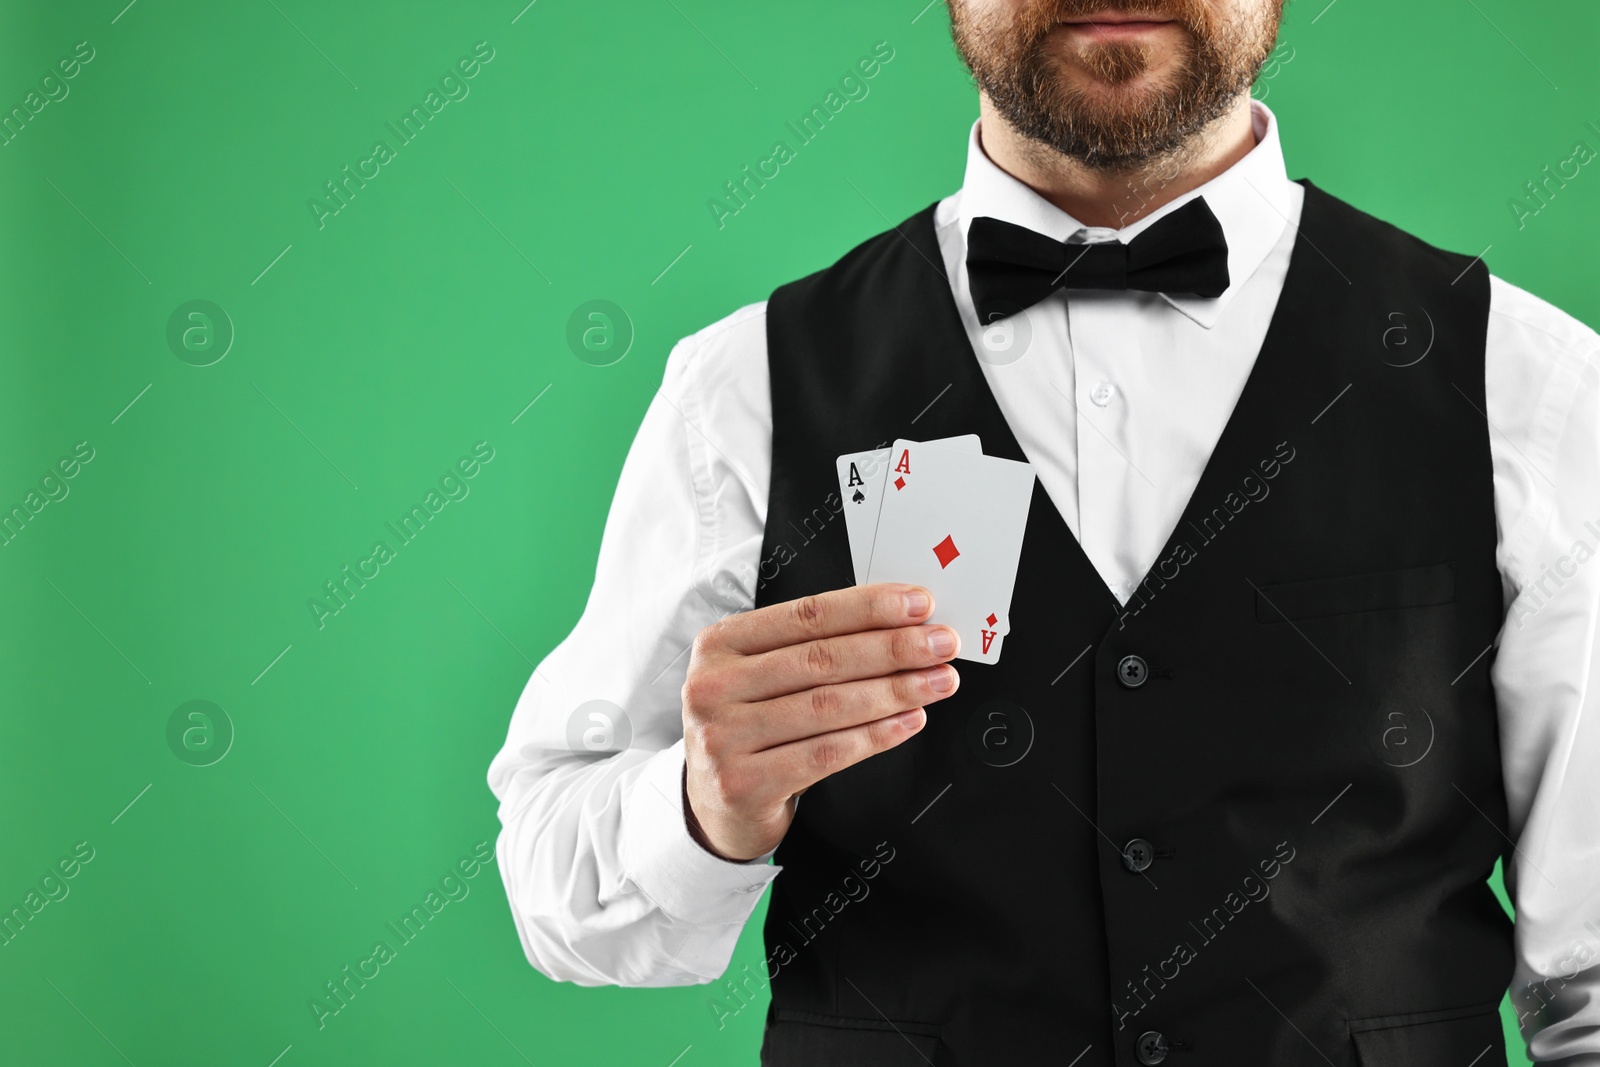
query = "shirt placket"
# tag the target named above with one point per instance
(1104, 346)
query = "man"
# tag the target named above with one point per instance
(1302, 638)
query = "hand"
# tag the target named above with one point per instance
(778, 698)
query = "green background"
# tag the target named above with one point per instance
(372, 352)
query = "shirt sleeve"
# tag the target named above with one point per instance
(1543, 370)
(605, 884)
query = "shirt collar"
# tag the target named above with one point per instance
(1251, 199)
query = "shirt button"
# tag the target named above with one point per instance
(1137, 855)
(1132, 671)
(1151, 1047)
(1102, 393)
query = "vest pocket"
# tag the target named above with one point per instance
(808, 1039)
(1459, 1036)
(1407, 587)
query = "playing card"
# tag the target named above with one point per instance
(953, 521)
(862, 476)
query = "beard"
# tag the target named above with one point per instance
(1116, 123)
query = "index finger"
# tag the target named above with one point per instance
(878, 606)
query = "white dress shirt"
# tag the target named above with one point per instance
(1117, 399)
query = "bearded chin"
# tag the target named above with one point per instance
(1111, 125)
(1124, 118)
(1115, 64)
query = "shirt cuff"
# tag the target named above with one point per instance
(670, 867)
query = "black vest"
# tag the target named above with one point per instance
(1245, 819)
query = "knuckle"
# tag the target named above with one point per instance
(705, 690)
(820, 658)
(876, 733)
(880, 735)
(826, 702)
(696, 692)
(707, 736)
(903, 691)
(826, 753)
(810, 614)
(708, 639)
(905, 646)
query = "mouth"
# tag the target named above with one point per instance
(1114, 25)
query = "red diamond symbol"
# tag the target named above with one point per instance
(946, 550)
(991, 620)
(899, 483)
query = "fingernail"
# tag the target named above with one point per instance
(916, 604)
(942, 680)
(942, 642)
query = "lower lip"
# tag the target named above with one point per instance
(1115, 31)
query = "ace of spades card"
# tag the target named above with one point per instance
(953, 521)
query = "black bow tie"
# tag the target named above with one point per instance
(1010, 267)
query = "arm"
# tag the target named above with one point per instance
(1544, 410)
(705, 706)
(605, 884)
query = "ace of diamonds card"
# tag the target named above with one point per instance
(953, 521)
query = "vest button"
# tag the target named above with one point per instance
(1132, 671)
(1151, 1047)
(1137, 855)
